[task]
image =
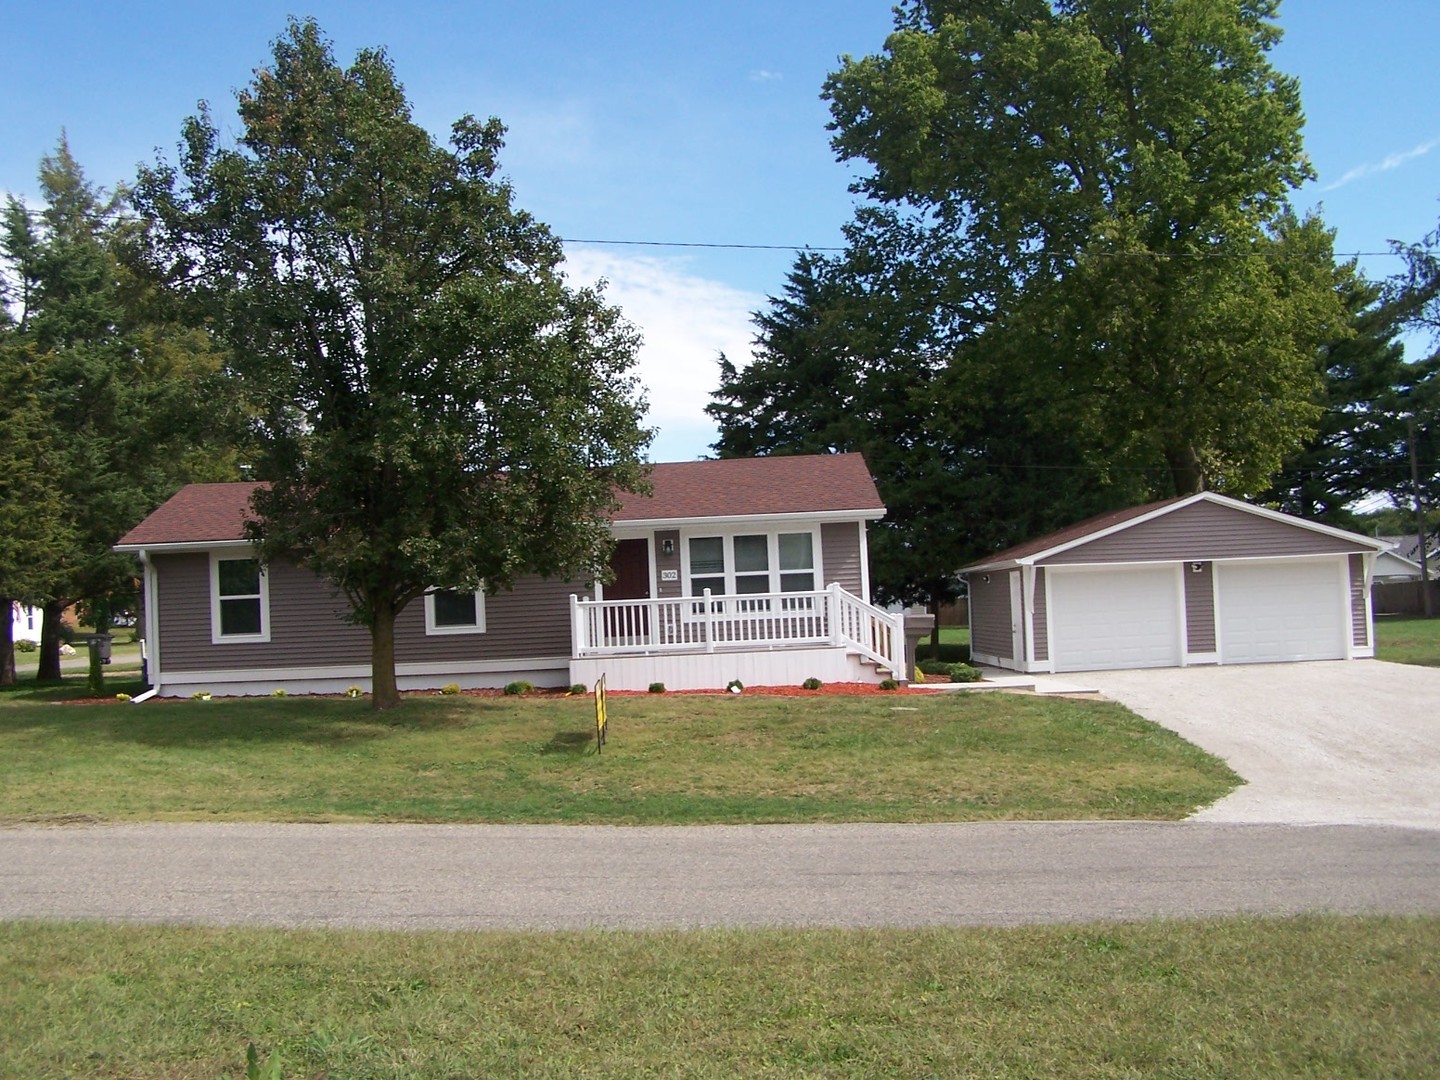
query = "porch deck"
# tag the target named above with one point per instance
(703, 641)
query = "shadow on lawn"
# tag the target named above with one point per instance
(241, 721)
(573, 743)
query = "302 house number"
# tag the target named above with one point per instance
(669, 575)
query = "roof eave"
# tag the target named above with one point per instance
(723, 520)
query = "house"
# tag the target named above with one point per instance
(1402, 563)
(24, 622)
(1202, 579)
(751, 569)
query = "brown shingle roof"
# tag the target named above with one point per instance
(195, 514)
(737, 487)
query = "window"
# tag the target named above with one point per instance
(751, 563)
(797, 562)
(451, 612)
(239, 600)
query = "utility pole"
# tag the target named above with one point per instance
(1425, 601)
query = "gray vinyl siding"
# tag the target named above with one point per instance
(667, 590)
(1042, 617)
(840, 555)
(1358, 623)
(1200, 608)
(990, 615)
(1204, 530)
(308, 626)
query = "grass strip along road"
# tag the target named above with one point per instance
(1232, 998)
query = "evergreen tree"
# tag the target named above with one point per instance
(120, 390)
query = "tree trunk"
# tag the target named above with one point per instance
(49, 668)
(1185, 471)
(384, 694)
(937, 601)
(7, 641)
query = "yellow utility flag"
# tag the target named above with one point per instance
(600, 714)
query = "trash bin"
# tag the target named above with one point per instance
(100, 647)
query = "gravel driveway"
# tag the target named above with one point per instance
(1349, 742)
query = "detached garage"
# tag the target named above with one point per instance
(1203, 579)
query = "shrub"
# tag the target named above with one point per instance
(279, 691)
(811, 683)
(122, 697)
(657, 688)
(451, 689)
(963, 673)
(934, 667)
(519, 688)
(25, 645)
(578, 690)
(354, 692)
(950, 654)
(735, 686)
(200, 695)
(889, 684)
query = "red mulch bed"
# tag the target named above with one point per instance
(834, 688)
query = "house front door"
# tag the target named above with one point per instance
(630, 565)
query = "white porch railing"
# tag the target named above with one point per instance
(707, 623)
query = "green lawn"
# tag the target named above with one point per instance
(670, 759)
(1233, 998)
(1408, 640)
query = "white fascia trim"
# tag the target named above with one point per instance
(1130, 523)
(362, 671)
(762, 520)
(1290, 519)
(1134, 563)
(186, 547)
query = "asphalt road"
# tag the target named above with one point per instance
(552, 877)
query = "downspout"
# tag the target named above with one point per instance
(151, 645)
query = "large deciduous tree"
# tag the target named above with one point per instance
(1113, 176)
(1075, 282)
(438, 407)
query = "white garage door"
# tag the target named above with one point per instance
(1103, 619)
(1282, 611)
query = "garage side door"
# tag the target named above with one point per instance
(1109, 619)
(1278, 611)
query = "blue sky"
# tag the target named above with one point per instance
(650, 120)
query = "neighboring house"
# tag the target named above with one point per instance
(1197, 580)
(1390, 568)
(778, 543)
(24, 622)
(1406, 549)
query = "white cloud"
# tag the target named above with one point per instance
(761, 75)
(687, 321)
(1394, 161)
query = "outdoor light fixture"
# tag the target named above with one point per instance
(667, 546)
(1196, 567)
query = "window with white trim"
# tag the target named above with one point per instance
(740, 564)
(239, 600)
(448, 611)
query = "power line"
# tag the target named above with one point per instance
(692, 244)
(1067, 254)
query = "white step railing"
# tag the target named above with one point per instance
(750, 621)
